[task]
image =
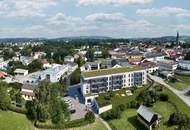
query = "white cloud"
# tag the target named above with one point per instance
(110, 24)
(25, 7)
(165, 11)
(105, 17)
(61, 18)
(117, 2)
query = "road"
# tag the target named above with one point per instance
(180, 94)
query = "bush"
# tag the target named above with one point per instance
(158, 88)
(121, 107)
(163, 97)
(179, 119)
(112, 114)
(89, 117)
(17, 110)
(133, 104)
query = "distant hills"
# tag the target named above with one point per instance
(159, 39)
(165, 39)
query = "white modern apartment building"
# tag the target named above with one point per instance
(99, 81)
(52, 74)
(184, 64)
(167, 65)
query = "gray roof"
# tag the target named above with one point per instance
(154, 54)
(29, 86)
(184, 61)
(92, 63)
(145, 113)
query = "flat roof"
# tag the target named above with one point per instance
(110, 71)
(20, 71)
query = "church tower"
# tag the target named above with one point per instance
(177, 39)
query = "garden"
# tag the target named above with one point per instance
(157, 98)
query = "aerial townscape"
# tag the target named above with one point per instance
(127, 68)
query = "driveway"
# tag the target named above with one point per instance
(79, 107)
(180, 94)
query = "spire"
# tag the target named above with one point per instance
(177, 38)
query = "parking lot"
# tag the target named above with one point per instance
(75, 102)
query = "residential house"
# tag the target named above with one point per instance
(28, 91)
(45, 64)
(168, 65)
(184, 64)
(148, 118)
(97, 53)
(37, 55)
(151, 67)
(26, 60)
(2, 74)
(21, 72)
(69, 59)
(91, 66)
(154, 56)
(4, 64)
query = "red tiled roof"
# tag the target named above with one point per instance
(2, 74)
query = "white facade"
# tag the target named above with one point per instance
(184, 64)
(167, 65)
(54, 74)
(4, 64)
(100, 84)
(69, 59)
(155, 59)
(21, 72)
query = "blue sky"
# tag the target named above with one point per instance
(115, 18)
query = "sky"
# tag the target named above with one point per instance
(114, 18)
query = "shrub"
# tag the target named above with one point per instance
(112, 114)
(163, 97)
(18, 110)
(89, 117)
(107, 97)
(158, 88)
(121, 107)
(181, 120)
(133, 104)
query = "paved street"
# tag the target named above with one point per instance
(180, 94)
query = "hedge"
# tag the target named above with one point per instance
(17, 110)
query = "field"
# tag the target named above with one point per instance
(14, 121)
(128, 120)
(182, 83)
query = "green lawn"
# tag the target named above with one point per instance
(182, 83)
(128, 120)
(14, 121)
(179, 103)
(118, 99)
(97, 125)
(178, 85)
